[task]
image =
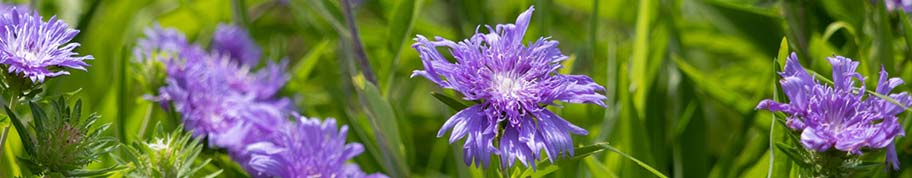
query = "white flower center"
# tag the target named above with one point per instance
(30, 58)
(507, 84)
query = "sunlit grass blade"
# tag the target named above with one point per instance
(582, 152)
(779, 167)
(399, 31)
(385, 125)
(716, 91)
(307, 63)
(640, 59)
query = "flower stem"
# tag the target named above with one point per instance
(363, 62)
(145, 122)
(240, 12)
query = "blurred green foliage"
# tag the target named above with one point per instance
(683, 77)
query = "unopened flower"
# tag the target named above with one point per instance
(307, 148)
(62, 141)
(513, 82)
(172, 154)
(843, 116)
(38, 49)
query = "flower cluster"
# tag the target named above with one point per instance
(307, 148)
(842, 116)
(221, 98)
(37, 49)
(514, 83)
(224, 101)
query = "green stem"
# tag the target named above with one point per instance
(240, 12)
(2, 148)
(145, 122)
(360, 54)
(12, 104)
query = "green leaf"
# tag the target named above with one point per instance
(783, 52)
(385, 124)
(595, 166)
(303, 69)
(454, 104)
(403, 18)
(832, 29)
(642, 164)
(881, 49)
(779, 166)
(796, 154)
(906, 29)
(545, 167)
(400, 29)
(24, 135)
(716, 91)
(641, 51)
(94, 173)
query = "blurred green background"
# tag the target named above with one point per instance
(682, 76)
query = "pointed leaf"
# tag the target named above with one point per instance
(454, 104)
(24, 135)
(385, 124)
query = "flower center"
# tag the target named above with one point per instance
(30, 58)
(508, 85)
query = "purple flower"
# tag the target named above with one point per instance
(895, 5)
(841, 116)
(224, 101)
(514, 83)
(35, 48)
(235, 42)
(164, 44)
(307, 148)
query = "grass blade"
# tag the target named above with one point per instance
(640, 58)
(453, 103)
(583, 152)
(384, 122)
(400, 28)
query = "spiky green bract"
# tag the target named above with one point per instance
(58, 141)
(172, 154)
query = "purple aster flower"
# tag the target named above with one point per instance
(307, 148)
(224, 101)
(514, 83)
(841, 116)
(236, 43)
(895, 5)
(164, 44)
(34, 48)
